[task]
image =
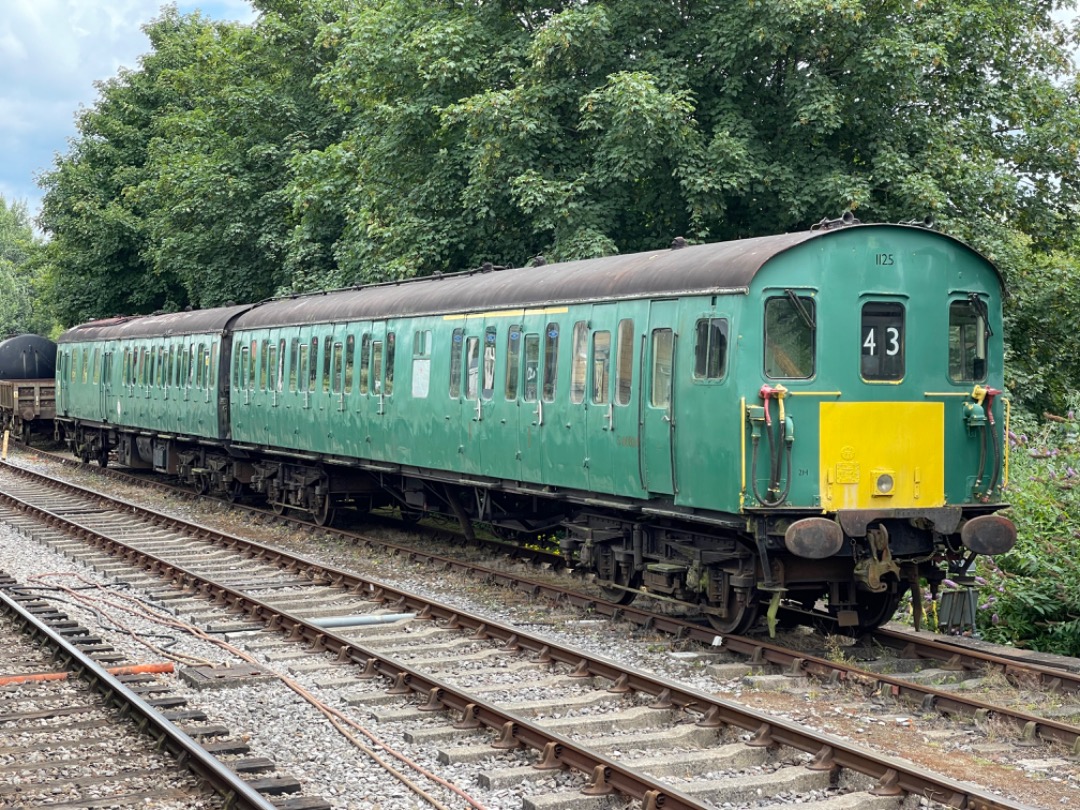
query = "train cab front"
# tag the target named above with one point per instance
(897, 471)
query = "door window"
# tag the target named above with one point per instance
(710, 349)
(601, 367)
(663, 345)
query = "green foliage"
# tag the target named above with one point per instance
(1031, 596)
(20, 251)
(494, 131)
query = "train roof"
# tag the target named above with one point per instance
(198, 321)
(717, 268)
(711, 269)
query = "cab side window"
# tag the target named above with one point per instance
(967, 340)
(790, 331)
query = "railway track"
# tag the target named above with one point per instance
(94, 732)
(278, 588)
(867, 663)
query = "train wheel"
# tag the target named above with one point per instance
(742, 613)
(875, 609)
(234, 491)
(620, 595)
(278, 507)
(202, 484)
(323, 511)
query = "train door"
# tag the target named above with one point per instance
(489, 419)
(659, 354)
(613, 407)
(105, 386)
(383, 350)
(62, 390)
(540, 336)
(566, 461)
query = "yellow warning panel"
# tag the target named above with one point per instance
(882, 455)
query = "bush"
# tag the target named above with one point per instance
(1030, 597)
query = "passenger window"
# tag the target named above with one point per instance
(968, 331)
(580, 345)
(710, 349)
(97, 362)
(326, 361)
(243, 366)
(251, 365)
(338, 371)
(882, 340)
(302, 368)
(489, 363)
(350, 352)
(200, 374)
(421, 364)
(472, 366)
(280, 365)
(790, 336)
(212, 360)
(365, 363)
(601, 367)
(272, 367)
(313, 364)
(294, 358)
(663, 345)
(264, 363)
(376, 367)
(85, 364)
(551, 360)
(624, 362)
(513, 361)
(455, 362)
(191, 367)
(532, 367)
(391, 345)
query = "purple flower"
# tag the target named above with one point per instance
(980, 581)
(995, 619)
(950, 584)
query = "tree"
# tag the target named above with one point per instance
(96, 261)
(19, 251)
(496, 130)
(218, 160)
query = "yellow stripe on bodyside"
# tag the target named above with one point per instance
(861, 442)
(507, 313)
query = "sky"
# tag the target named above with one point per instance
(51, 53)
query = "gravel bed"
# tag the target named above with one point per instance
(333, 768)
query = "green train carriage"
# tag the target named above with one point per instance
(762, 422)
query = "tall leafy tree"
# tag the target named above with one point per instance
(20, 309)
(219, 160)
(495, 130)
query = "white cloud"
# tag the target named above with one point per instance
(51, 53)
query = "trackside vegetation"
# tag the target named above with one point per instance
(1030, 597)
(334, 142)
